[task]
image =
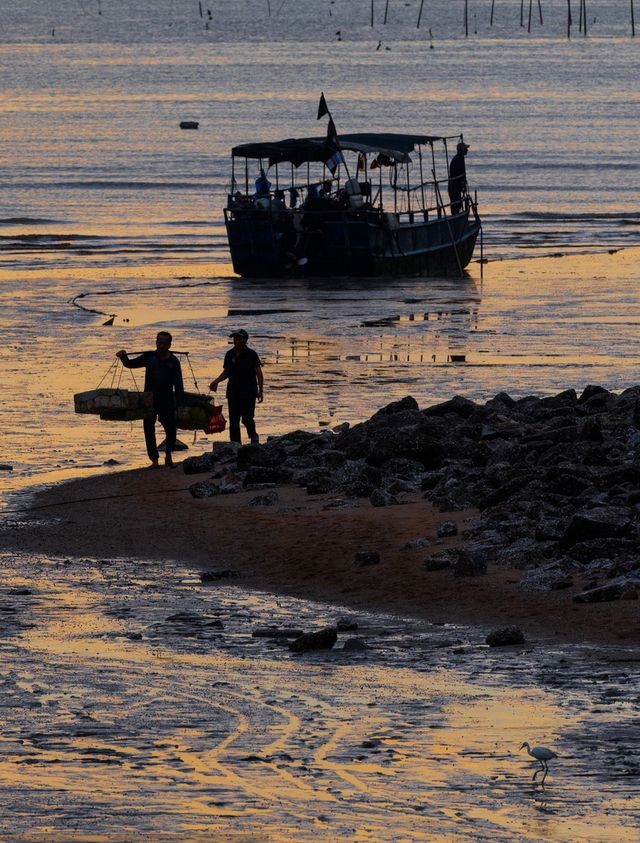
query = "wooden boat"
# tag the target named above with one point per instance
(364, 204)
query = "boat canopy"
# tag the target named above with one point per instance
(299, 151)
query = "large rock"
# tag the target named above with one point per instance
(602, 522)
(268, 456)
(458, 405)
(618, 590)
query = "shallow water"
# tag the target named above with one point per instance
(136, 701)
(109, 206)
(116, 717)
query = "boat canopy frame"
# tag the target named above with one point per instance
(395, 147)
(299, 151)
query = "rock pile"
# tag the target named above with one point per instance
(556, 479)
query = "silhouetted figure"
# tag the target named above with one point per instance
(457, 184)
(163, 378)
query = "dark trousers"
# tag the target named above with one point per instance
(166, 415)
(241, 408)
(456, 201)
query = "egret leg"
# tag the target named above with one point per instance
(546, 770)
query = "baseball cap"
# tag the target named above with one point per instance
(240, 333)
(462, 145)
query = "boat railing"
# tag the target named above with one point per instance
(417, 205)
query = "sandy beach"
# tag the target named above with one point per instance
(304, 549)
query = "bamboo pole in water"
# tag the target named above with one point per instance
(633, 22)
(530, 8)
(580, 18)
(372, 11)
(386, 12)
(420, 14)
(540, 12)
(569, 20)
(493, 3)
(466, 18)
(521, 12)
(584, 15)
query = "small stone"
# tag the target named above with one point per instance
(380, 498)
(352, 645)
(416, 544)
(508, 636)
(212, 576)
(5, 467)
(323, 639)
(270, 499)
(447, 528)
(205, 489)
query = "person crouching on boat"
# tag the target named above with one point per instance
(243, 369)
(163, 378)
(457, 184)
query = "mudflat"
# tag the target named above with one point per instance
(304, 546)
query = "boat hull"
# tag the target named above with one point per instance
(265, 244)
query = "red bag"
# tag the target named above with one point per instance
(217, 424)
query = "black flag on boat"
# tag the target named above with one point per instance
(322, 107)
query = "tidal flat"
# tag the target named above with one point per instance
(137, 702)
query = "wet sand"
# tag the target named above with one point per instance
(138, 704)
(299, 548)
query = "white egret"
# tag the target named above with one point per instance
(541, 754)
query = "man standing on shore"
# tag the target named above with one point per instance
(163, 378)
(243, 369)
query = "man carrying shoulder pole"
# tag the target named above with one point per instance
(243, 369)
(163, 378)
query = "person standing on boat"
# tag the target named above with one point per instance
(163, 378)
(457, 184)
(263, 185)
(243, 369)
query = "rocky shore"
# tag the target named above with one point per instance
(556, 481)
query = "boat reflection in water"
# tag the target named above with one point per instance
(364, 204)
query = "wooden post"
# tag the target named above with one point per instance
(580, 19)
(540, 12)
(633, 22)
(386, 12)
(200, 7)
(466, 18)
(521, 12)
(530, 8)
(493, 3)
(372, 11)
(569, 20)
(584, 15)
(269, 7)
(420, 14)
